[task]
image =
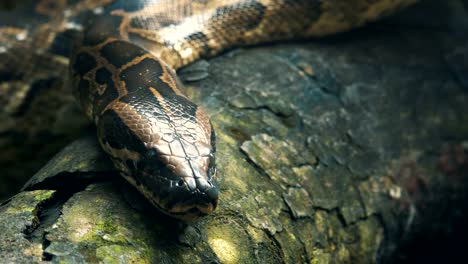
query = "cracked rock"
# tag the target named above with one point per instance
(299, 202)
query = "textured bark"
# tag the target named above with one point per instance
(331, 151)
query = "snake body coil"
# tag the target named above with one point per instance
(161, 142)
(123, 73)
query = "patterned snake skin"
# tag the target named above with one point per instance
(123, 56)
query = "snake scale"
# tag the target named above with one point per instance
(122, 58)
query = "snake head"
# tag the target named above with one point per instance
(170, 160)
(183, 187)
(159, 140)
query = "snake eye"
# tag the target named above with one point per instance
(180, 183)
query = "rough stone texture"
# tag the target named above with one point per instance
(76, 162)
(342, 150)
(19, 217)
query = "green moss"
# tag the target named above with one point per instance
(120, 254)
(229, 245)
(104, 228)
(343, 255)
(22, 202)
(307, 234)
(291, 245)
(369, 234)
(19, 209)
(320, 256)
(45, 195)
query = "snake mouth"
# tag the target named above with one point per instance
(192, 212)
(199, 204)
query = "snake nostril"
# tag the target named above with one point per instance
(180, 183)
